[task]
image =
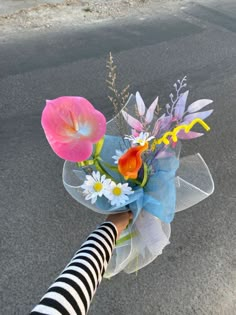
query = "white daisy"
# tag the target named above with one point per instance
(141, 139)
(118, 193)
(95, 186)
(116, 157)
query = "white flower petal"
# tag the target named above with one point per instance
(88, 197)
(120, 199)
(94, 199)
(141, 139)
(150, 138)
(88, 186)
(117, 156)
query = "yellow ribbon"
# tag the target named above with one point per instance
(174, 132)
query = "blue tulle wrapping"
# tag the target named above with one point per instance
(158, 197)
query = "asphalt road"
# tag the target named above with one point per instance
(41, 226)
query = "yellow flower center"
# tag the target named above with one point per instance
(98, 186)
(141, 142)
(117, 191)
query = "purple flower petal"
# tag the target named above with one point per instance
(150, 111)
(165, 122)
(198, 105)
(133, 122)
(190, 135)
(140, 104)
(156, 128)
(180, 106)
(202, 115)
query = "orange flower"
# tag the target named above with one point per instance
(130, 163)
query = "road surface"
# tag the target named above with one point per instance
(41, 226)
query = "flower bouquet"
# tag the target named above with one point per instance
(131, 163)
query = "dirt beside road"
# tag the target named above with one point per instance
(70, 13)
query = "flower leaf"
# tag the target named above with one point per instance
(165, 122)
(190, 135)
(202, 115)
(151, 110)
(140, 104)
(198, 105)
(180, 106)
(157, 126)
(133, 122)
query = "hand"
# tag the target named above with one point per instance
(121, 220)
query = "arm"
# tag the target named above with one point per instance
(73, 290)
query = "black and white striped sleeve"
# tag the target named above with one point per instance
(73, 290)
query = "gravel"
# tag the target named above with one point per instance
(41, 15)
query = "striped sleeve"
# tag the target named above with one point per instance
(73, 290)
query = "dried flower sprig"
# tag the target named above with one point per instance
(117, 98)
(179, 85)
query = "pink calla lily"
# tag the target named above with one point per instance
(72, 125)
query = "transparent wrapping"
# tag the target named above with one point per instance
(166, 193)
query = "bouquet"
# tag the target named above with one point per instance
(131, 163)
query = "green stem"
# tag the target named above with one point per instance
(98, 147)
(145, 175)
(85, 163)
(111, 167)
(102, 170)
(126, 238)
(135, 181)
